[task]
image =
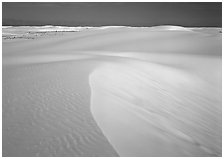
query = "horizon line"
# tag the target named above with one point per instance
(107, 26)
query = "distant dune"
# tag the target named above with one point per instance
(170, 27)
(111, 91)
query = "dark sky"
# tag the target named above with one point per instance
(97, 14)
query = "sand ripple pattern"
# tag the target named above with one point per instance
(154, 92)
(46, 112)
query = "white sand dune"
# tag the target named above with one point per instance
(113, 91)
(153, 110)
(46, 103)
(170, 27)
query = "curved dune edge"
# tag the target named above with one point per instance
(153, 110)
(46, 107)
(46, 93)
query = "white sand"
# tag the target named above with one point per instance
(46, 102)
(154, 92)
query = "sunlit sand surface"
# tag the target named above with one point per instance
(112, 91)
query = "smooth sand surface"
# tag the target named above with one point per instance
(113, 91)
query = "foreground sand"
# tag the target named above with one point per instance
(152, 92)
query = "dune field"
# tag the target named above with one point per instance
(111, 91)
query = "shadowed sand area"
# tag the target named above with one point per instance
(113, 91)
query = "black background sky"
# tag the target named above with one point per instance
(126, 13)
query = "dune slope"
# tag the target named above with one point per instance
(154, 110)
(46, 104)
(115, 91)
